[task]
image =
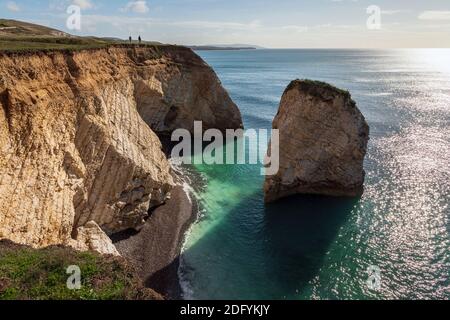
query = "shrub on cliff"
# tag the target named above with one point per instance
(31, 274)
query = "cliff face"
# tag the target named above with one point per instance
(180, 89)
(323, 142)
(76, 145)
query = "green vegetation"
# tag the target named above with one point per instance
(34, 44)
(27, 273)
(20, 44)
(312, 87)
(18, 36)
(10, 27)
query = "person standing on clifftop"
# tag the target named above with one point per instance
(131, 39)
(140, 40)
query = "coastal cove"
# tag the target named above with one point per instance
(97, 171)
(216, 159)
(311, 247)
(99, 174)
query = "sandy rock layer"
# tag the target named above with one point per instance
(323, 142)
(78, 142)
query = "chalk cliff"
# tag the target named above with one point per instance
(78, 148)
(323, 142)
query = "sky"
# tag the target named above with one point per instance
(271, 24)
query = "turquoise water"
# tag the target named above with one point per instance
(316, 247)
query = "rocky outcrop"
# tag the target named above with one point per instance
(323, 142)
(155, 250)
(91, 237)
(181, 89)
(76, 144)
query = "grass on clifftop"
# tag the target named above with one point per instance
(312, 85)
(21, 44)
(32, 45)
(30, 274)
(23, 36)
(20, 36)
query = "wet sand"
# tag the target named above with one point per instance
(155, 250)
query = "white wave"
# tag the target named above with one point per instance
(183, 274)
(188, 190)
(187, 290)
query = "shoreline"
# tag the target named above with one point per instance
(155, 250)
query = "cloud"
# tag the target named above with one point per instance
(435, 15)
(128, 22)
(83, 4)
(136, 7)
(218, 24)
(12, 6)
(392, 12)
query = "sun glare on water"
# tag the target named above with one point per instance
(434, 59)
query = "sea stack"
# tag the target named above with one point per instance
(323, 142)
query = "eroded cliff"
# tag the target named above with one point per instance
(323, 142)
(77, 149)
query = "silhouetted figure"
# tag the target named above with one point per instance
(131, 39)
(140, 40)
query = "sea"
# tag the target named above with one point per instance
(392, 243)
